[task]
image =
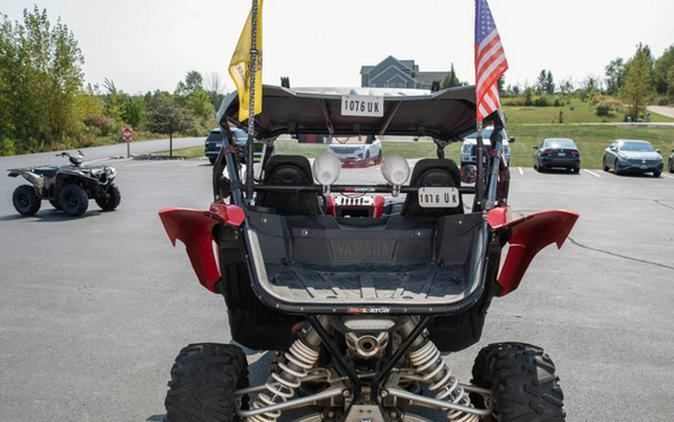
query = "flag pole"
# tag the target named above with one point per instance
(251, 104)
(479, 183)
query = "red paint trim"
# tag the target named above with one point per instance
(332, 209)
(195, 229)
(529, 236)
(378, 206)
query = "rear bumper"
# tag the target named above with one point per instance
(570, 162)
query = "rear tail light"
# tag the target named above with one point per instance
(547, 152)
(574, 153)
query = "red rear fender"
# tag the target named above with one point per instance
(529, 235)
(195, 229)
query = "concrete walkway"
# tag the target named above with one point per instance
(662, 110)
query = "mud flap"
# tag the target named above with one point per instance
(528, 236)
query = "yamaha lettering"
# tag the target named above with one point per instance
(362, 105)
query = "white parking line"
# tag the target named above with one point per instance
(521, 171)
(591, 172)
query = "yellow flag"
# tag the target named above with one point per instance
(239, 67)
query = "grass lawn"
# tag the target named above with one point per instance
(575, 112)
(591, 140)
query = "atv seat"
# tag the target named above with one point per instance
(47, 172)
(289, 170)
(433, 173)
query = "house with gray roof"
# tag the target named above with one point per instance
(394, 73)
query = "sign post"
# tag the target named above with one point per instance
(127, 136)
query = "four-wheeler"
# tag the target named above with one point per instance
(557, 153)
(632, 156)
(469, 154)
(360, 306)
(67, 188)
(354, 153)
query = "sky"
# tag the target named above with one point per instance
(149, 44)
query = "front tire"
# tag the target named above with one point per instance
(522, 380)
(74, 200)
(657, 174)
(605, 165)
(25, 200)
(204, 378)
(111, 200)
(616, 168)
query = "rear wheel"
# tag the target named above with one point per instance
(74, 200)
(522, 380)
(657, 173)
(576, 170)
(111, 199)
(204, 378)
(212, 160)
(26, 202)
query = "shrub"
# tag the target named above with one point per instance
(7, 147)
(603, 110)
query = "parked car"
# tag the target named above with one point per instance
(557, 153)
(356, 154)
(632, 156)
(67, 188)
(216, 139)
(469, 154)
(671, 162)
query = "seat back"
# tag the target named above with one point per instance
(289, 170)
(433, 173)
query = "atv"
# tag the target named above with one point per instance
(67, 188)
(361, 289)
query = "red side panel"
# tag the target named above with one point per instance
(529, 235)
(195, 229)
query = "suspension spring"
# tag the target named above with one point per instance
(295, 365)
(428, 363)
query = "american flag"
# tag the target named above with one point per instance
(490, 61)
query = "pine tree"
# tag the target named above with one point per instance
(638, 87)
(450, 80)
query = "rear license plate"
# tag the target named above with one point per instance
(438, 197)
(561, 154)
(363, 105)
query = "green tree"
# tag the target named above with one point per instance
(661, 71)
(193, 82)
(133, 110)
(615, 74)
(199, 103)
(549, 83)
(450, 80)
(670, 79)
(541, 82)
(40, 77)
(167, 117)
(638, 87)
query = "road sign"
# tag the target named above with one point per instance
(127, 134)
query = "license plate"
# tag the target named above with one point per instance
(438, 197)
(362, 105)
(643, 167)
(562, 154)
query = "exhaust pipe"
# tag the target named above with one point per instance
(367, 346)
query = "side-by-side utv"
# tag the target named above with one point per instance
(361, 288)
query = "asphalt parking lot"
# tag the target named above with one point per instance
(93, 310)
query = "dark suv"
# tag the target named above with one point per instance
(216, 139)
